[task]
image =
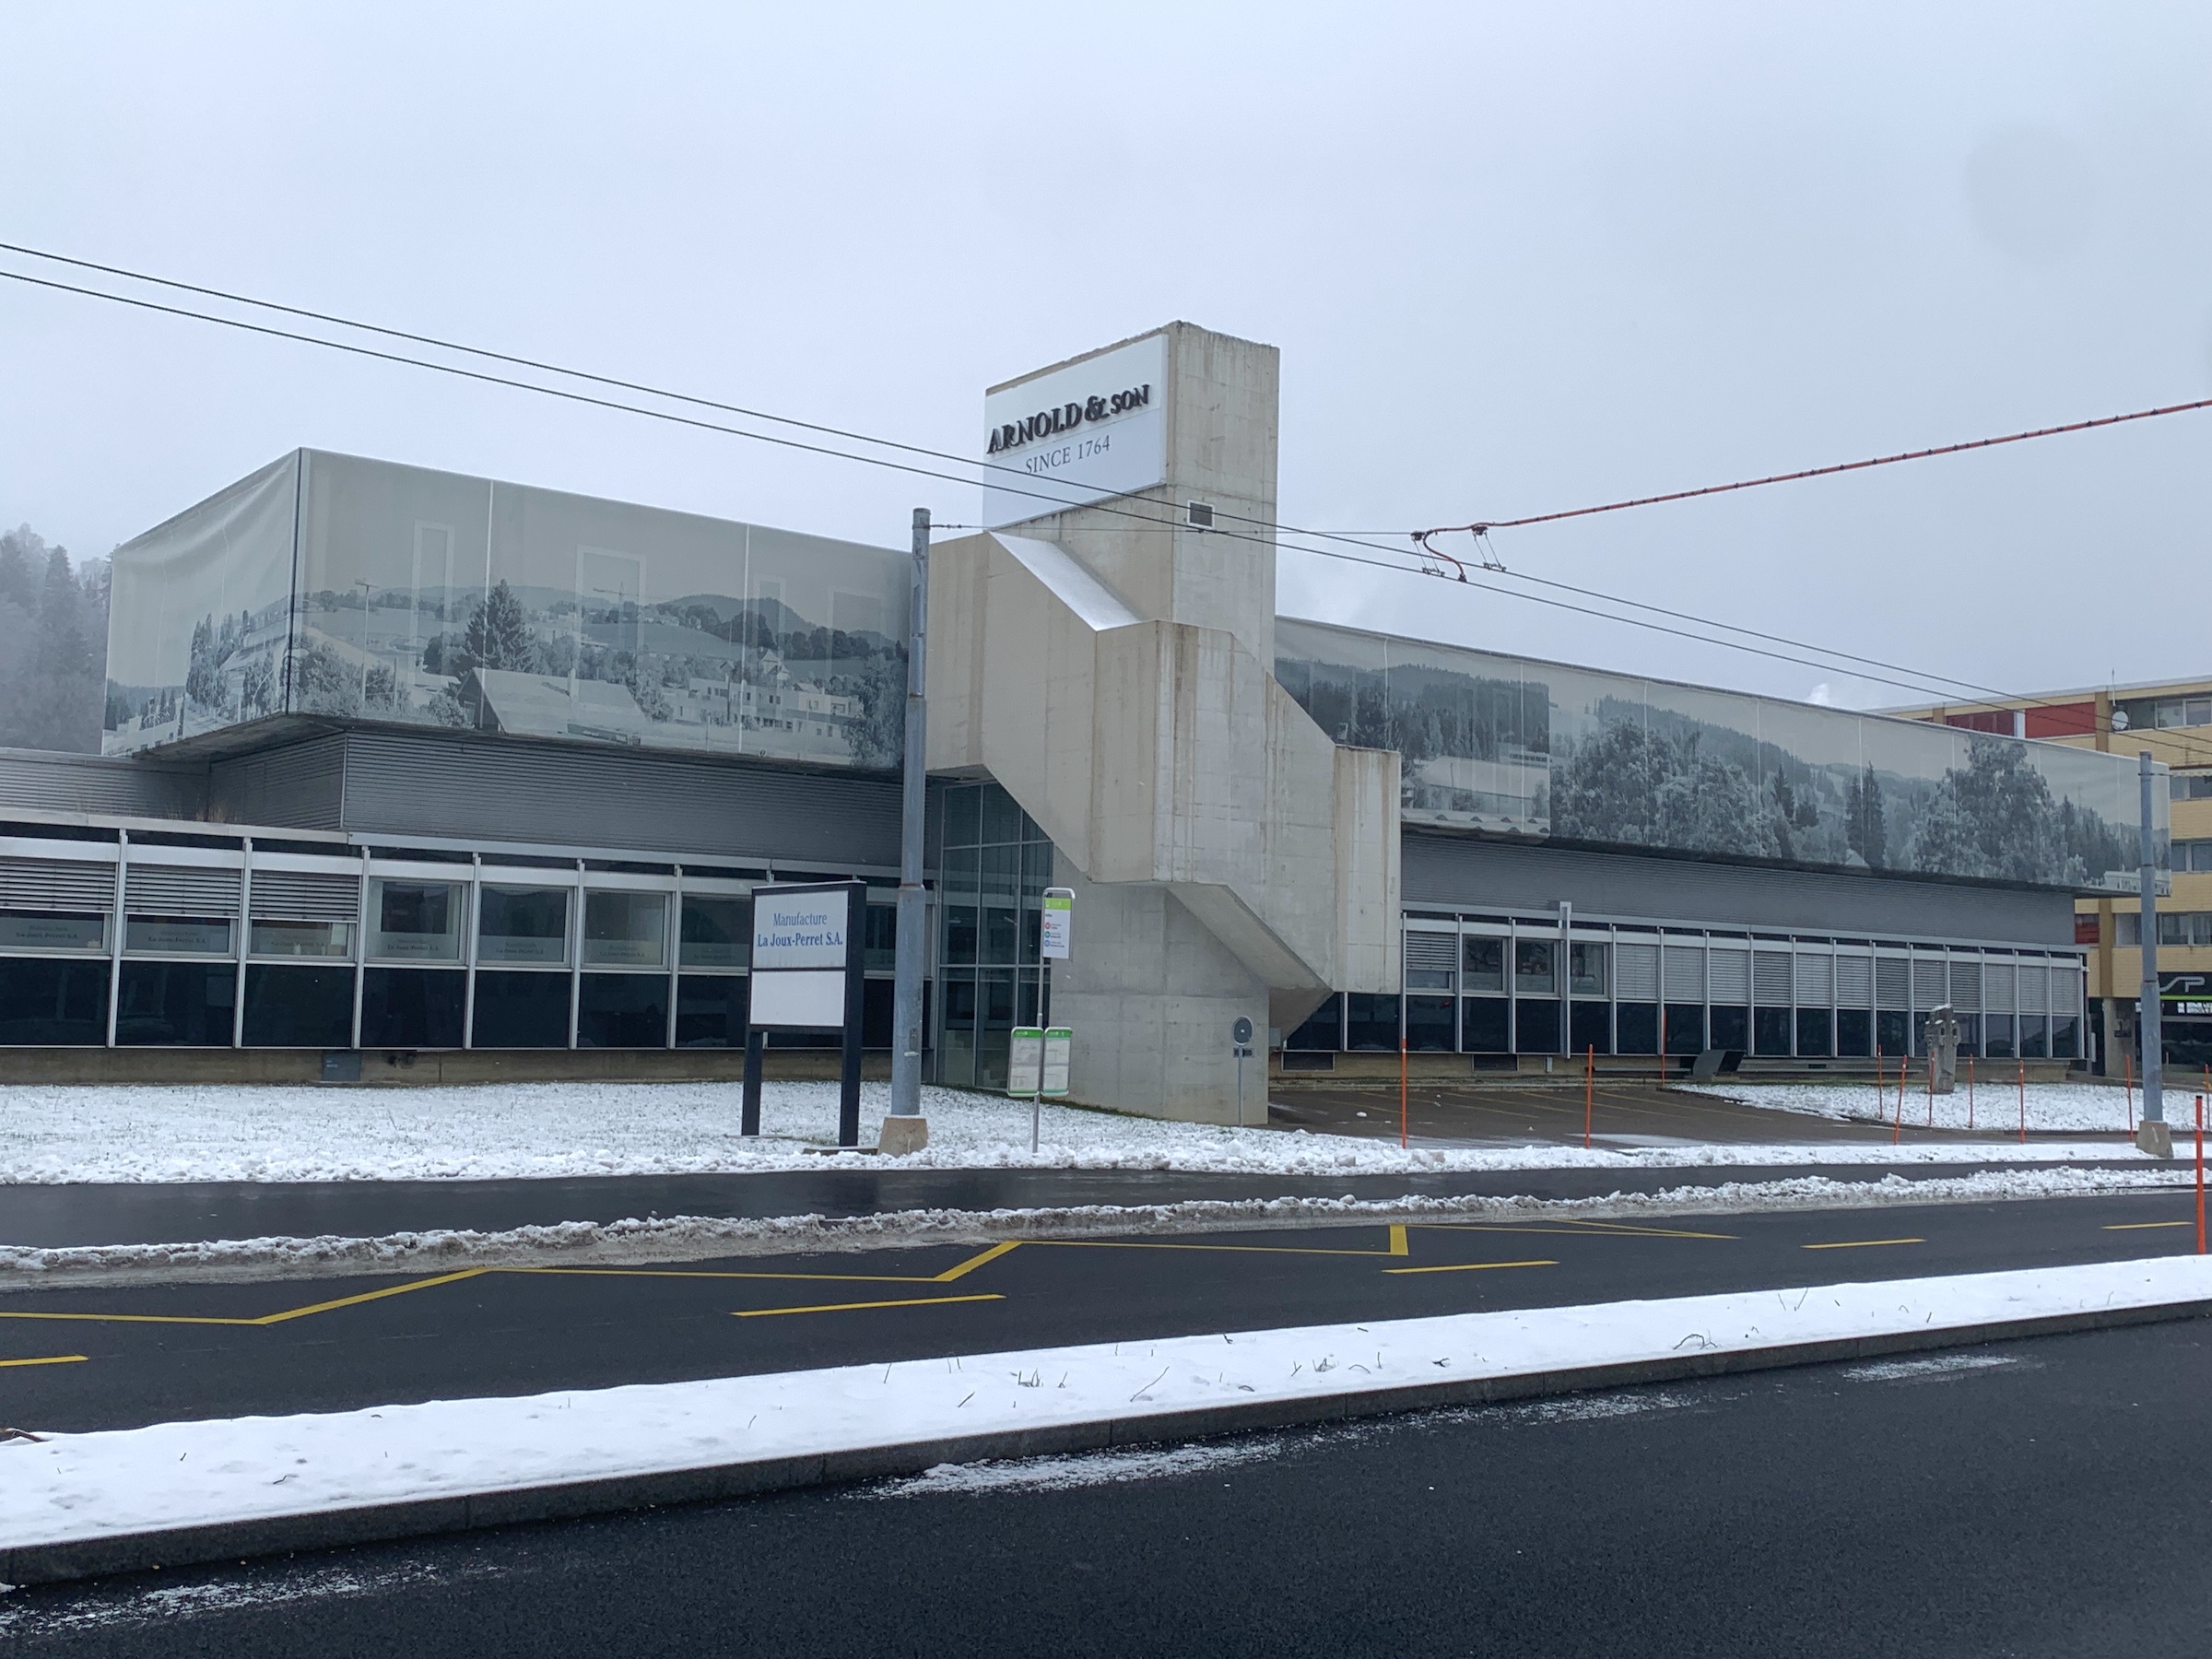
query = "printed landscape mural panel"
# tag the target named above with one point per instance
(1519, 748)
(430, 598)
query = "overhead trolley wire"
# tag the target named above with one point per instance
(1392, 561)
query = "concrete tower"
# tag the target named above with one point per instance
(1110, 663)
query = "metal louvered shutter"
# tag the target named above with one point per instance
(1892, 982)
(1966, 987)
(1816, 979)
(1854, 982)
(2066, 991)
(1997, 982)
(1929, 985)
(1636, 972)
(2035, 988)
(179, 891)
(1685, 973)
(1729, 977)
(315, 896)
(1432, 952)
(1771, 978)
(56, 884)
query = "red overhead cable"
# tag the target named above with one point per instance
(1480, 526)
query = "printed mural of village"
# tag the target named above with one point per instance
(387, 625)
(1516, 748)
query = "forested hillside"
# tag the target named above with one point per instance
(53, 644)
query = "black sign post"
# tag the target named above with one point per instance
(808, 974)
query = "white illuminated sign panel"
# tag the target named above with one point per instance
(1079, 434)
(802, 953)
(1056, 939)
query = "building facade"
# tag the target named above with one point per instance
(2171, 721)
(414, 775)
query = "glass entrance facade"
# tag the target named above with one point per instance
(996, 864)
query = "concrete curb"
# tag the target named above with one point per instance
(231, 1541)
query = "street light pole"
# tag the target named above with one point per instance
(905, 1130)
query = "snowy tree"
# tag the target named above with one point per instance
(1864, 833)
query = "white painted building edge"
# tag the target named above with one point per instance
(79, 1487)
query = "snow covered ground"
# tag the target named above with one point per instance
(76, 1486)
(1989, 1106)
(500, 1131)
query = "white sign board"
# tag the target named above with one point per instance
(1025, 1061)
(799, 930)
(1056, 937)
(814, 1000)
(1079, 434)
(1057, 1041)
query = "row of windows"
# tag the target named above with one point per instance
(2147, 713)
(2175, 927)
(52, 1000)
(423, 921)
(1684, 968)
(2189, 855)
(1482, 1025)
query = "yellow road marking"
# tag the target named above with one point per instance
(2141, 1226)
(265, 1319)
(1469, 1267)
(910, 1301)
(973, 1262)
(1861, 1243)
(49, 1360)
(1398, 1246)
(956, 1271)
(367, 1296)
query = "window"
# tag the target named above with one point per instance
(412, 1007)
(1537, 1027)
(621, 1010)
(1590, 1027)
(522, 924)
(51, 930)
(177, 935)
(1372, 1022)
(176, 1004)
(1482, 964)
(2192, 786)
(1485, 1025)
(522, 1010)
(52, 1000)
(1586, 968)
(625, 930)
(1319, 1032)
(414, 922)
(1429, 1024)
(1536, 969)
(299, 1007)
(302, 939)
(717, 933)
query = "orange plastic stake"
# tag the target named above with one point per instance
(2200, 1175)
(2127, 1069)
(1589, 1089)
(1931, 1083)
(1897, 1128)
(1402, 1108)
(1969, 1094)
(2023, 1065)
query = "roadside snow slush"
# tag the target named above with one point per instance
(54, 1133)
(699, 1238)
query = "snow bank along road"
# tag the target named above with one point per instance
(185, 1491)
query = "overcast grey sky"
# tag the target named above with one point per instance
(1516, 259)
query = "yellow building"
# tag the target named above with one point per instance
(2172, 721)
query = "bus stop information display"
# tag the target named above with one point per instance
(807, 975)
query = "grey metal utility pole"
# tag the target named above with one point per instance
(905, 1130)
(2147, 1018)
